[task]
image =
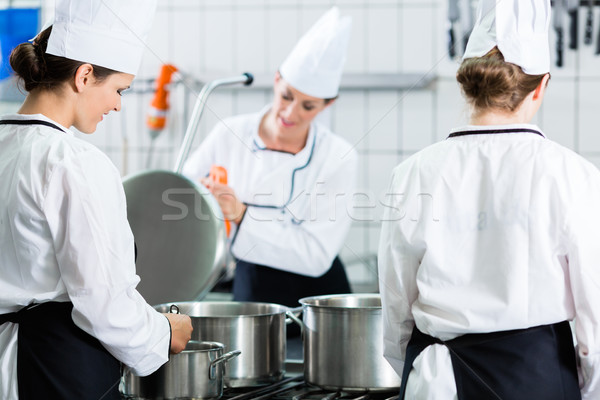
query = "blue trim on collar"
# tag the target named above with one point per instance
(310, 156)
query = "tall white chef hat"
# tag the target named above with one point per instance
(315, 65)
(520, 30)
(108, 33)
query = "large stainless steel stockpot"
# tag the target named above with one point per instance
(257, 329)
(343, 343)
(195, 373)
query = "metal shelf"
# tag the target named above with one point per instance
(376, 81)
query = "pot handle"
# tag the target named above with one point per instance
(291, 317)
(212, 369)
(174, 309)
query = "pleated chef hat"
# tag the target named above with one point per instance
(315, 65)
(108, 33)
(520, 30)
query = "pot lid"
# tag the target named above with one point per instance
(179, 234)
(344, 301)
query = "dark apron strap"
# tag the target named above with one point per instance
(523, 364)
(57, 360)
(29, 122)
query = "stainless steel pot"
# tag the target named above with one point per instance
(257, 329)
(343, 343)
(195, 373)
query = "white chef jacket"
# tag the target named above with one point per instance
(299, 205)
(64, 236)
(488, 233)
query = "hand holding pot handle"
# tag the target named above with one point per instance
(181, 331)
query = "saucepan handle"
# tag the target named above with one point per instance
(292, 316)
(212, 370)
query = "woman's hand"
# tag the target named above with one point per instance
(233, 209)
(181, 331)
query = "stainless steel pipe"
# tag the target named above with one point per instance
(246, 78)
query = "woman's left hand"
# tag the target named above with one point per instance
(233, 209)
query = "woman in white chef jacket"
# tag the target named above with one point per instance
(290, 179)
(69, 310)
(491, 246)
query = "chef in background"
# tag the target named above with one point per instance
(491, 245)
(290, 179)
(69, 310)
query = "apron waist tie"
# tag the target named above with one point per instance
(17, 316)
(51, 347)
(520, 364)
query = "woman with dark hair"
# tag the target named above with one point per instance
(69, 310)
(490, 248)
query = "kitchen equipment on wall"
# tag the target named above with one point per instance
(195, 373)
(589, 23)
(157, 112)
(256, 329)
(177, 225)
(460, 21)
(343, 343)
(558, 14)
(573, 11)
(565, 22)
(453, 16)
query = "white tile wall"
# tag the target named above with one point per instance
(218, 38)
(383, 39)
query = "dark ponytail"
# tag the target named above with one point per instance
(37, 69)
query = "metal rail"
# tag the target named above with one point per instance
(192, 127)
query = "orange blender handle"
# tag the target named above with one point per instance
(219, 174)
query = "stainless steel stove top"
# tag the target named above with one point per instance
(294, 388)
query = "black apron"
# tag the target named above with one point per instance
(524, 364)
(253, 282)
(55, 358)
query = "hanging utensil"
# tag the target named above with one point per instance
(598, 43)
(573, 11)
(557, 22)
(589, 23)
(468, 21)
(453, 16)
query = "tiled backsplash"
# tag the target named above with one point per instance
(222, 38)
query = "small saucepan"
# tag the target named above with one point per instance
(195, 373)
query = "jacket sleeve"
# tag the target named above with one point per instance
(86, 213)
(584, 273)
(305, 236)
(397, 264)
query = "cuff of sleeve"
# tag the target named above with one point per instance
(157, 356)
(590, 369)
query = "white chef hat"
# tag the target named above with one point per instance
(315, 65)
(108, 33)
(520, 30)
